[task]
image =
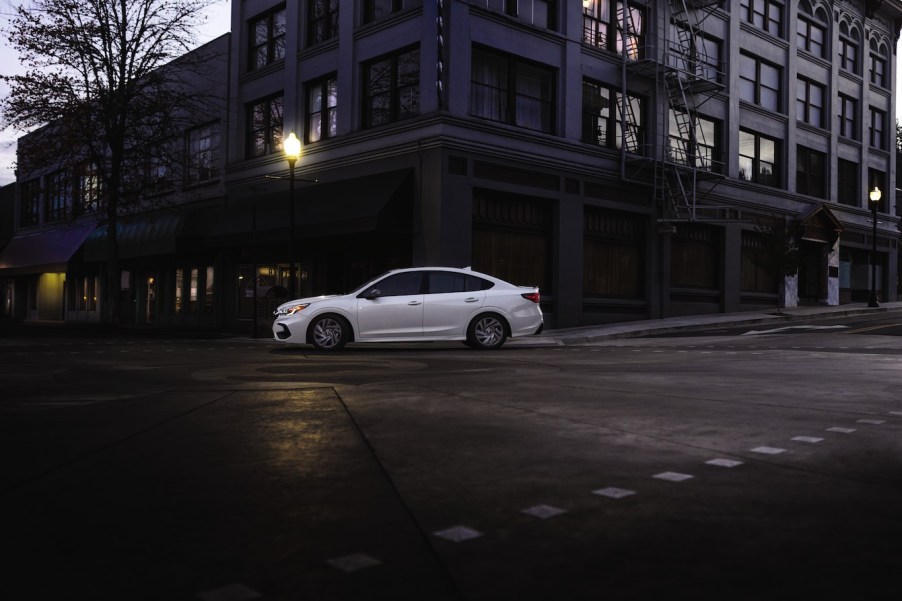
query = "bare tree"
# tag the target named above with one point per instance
(99, 80)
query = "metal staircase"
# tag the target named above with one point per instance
(678, 164)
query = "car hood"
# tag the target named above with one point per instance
(309, 300)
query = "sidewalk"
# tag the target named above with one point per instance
(699, 323)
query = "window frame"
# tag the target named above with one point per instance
(270, 127)
(805, 103)
(848, 117)
(373, 9)
(767, 15)
(811, 21)
(877, 131)
(847, 188)
(325, 13)
(603, 27)
(511, 96)
(849, 47)
(273, 46)
(213, 152)
(811, 172)
(701, 153)
(328, 114)
(57, 195)
(757, 176)
(395, 88)
(878, 65)
(760, 91)
(30, 203)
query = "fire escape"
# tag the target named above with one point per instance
(676, 154)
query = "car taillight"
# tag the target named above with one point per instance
(531, 296)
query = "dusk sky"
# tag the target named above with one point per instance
(217, 24)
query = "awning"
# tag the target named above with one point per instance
(819, 224)
(137, 237)
(373, 203)
(42, 252)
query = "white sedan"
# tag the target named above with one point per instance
(413, 305)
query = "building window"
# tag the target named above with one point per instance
(621, 30)
(694, 141)
(392, 88)
(811, 28)
(759, 82)
(811, 172)
(374, 10)
(83, 293)
(88, 189)
(613, 254)
(203, 154)
(848, 121)
(264, 127)
(58, 196)
(29, 203)
(877, 129)
(602, 124)
(322, 109)
(322, 22)
(878, 65)
(509, 90)
(847, 190)
(179, 289)
(766, 15)
(758, 156)
(702, 56)
(878, 178)
(810, 102)
(267, 39)
(849, 42)
(541, 13)
(208, 290)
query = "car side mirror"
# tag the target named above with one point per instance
(372, 294)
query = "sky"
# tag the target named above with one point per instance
(217, 23)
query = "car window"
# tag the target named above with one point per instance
(401, 284)
(444, 282)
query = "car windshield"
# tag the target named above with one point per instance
(367, 283)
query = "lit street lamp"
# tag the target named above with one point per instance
(874, 196)
(292, 149)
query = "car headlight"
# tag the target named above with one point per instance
(290, 309)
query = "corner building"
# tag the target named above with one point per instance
(633, 159)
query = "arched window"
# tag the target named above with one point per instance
(878, 64)
(849, 43)
(811, 29)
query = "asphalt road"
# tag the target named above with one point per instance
(725, 466)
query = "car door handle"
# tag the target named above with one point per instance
(470, 300)
(414, 303)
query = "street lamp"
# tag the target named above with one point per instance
(874, 196)
(292, 148)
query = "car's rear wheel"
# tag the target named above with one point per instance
(330, 332)
(486, 332)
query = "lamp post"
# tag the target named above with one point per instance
(874, 196)
(292, 149)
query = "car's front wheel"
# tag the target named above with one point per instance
(487, 331)
(330, 332)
